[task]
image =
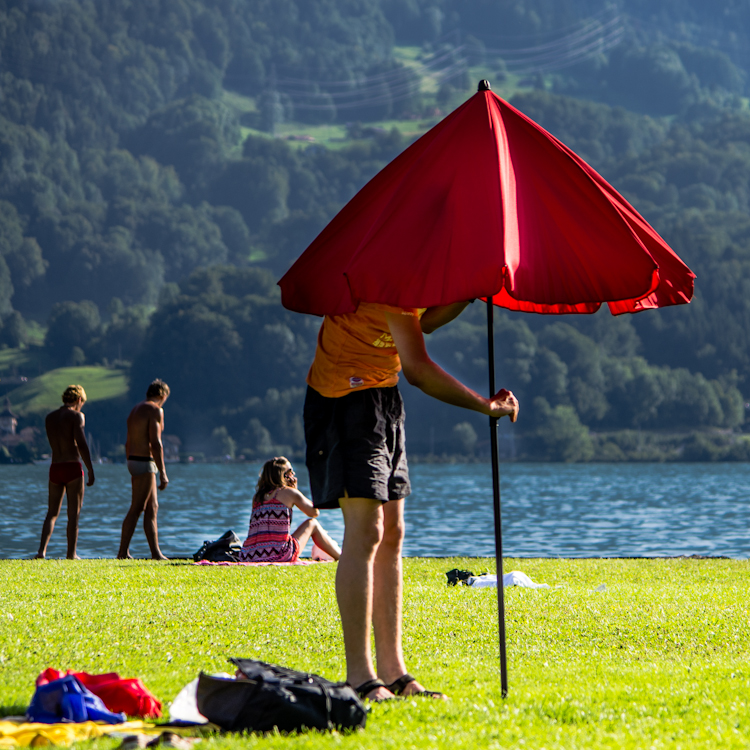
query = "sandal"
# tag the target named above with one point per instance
(367, 687)
(398, 686)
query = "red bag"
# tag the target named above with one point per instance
(127, 696)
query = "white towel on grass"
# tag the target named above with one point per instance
(185, 705)
(514, 578)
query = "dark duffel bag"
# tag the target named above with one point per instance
(277, 697)
(224, 549)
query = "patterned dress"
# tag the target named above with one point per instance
(268, 538)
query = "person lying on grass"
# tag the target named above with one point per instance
(268, 538)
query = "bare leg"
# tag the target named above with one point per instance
(312, 528)
(142, 485)
(74, 490)
(388, 586)
(328, 545)
(56, 493)
(387, 594)
(149, 524)
(363, 521)
(304, 531)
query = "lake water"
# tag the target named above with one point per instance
(549, 510)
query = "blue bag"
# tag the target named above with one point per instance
(66, 700)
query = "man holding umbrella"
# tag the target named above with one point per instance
(486, 204)
(356, 456)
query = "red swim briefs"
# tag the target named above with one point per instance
(65, 471)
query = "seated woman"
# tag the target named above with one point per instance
(268, 538)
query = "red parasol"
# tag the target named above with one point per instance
(488, 204)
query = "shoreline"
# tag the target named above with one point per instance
(189, 560)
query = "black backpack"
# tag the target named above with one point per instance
(277, 697)
(224, 549)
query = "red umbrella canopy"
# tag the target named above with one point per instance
(487, 204)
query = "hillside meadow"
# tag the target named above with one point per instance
(42, 394)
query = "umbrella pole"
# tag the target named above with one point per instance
(496, 505)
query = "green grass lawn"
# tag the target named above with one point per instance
(44, 393)
(659, 659)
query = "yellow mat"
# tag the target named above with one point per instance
(26, 734)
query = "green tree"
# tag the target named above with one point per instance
(194, 135)
(14, 332)
(6, 288)
(123, 337)
(560, 436)
(258, 440)
(222, 443)
(466, 437)
(70, 326)
(271, 111)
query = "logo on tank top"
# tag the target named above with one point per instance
(384, 341)
(355, 382)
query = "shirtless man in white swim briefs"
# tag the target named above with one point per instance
(145, 453)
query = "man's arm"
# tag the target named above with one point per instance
(157, 449)
(422, 372)
(79, 435)
(434, 317)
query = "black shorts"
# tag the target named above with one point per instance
(356, 446)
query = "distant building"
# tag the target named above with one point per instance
(8, 420)
(27, 435)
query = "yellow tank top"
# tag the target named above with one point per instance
(356, 351)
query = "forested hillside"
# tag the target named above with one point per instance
(162, 162)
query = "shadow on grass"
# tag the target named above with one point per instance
(11, 710)
(172, 561)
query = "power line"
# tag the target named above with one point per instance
(575, 57)
(553, 32)
(566, 42)
(394, 72)
(592, 36)
(556, 60)
(373, 94)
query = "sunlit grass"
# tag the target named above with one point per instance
(406, 53)
(328, 133)
(22, 361)
(335, 136)
(239, 102)
(43, 393)
(657, 659)
(410, 58)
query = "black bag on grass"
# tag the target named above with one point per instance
(277, 697)
(224, 549)
(457, 576)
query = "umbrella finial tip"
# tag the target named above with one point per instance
(484, 85)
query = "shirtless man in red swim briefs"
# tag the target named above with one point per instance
(68, 442)
(145, 453)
